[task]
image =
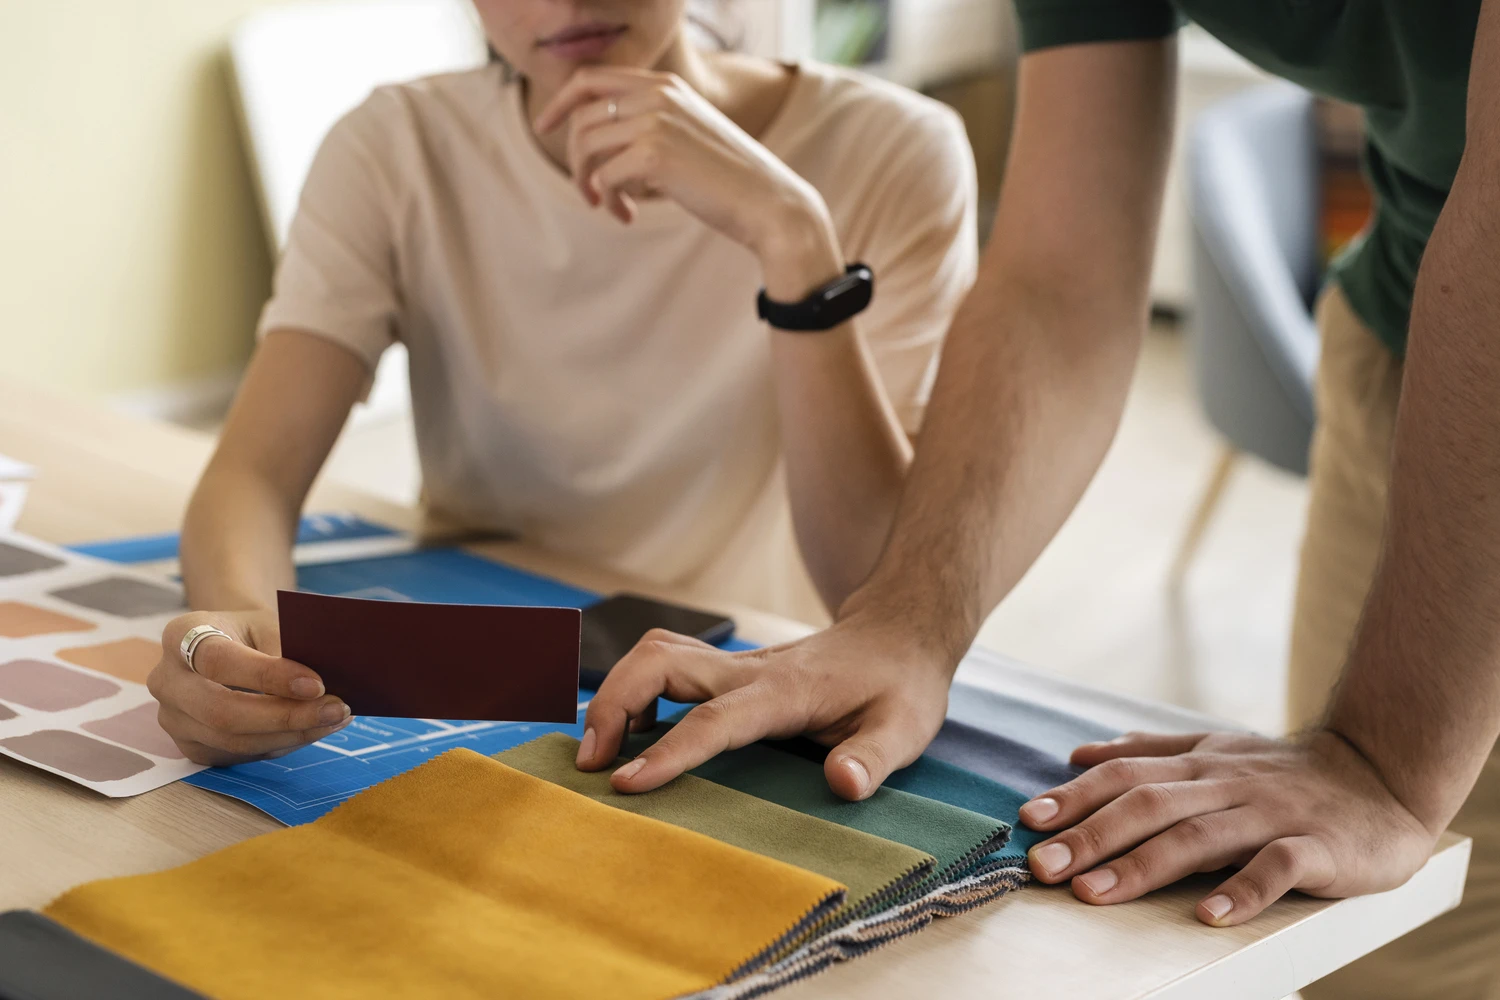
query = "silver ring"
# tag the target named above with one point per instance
(614, 111)
(194, 638)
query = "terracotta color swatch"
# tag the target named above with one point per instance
(461, 878)
(137, 728)
(15, 560)
(128, 659)
(123, 596)
(19, 621)
(437, 661)
(77, 755)
(48, 687)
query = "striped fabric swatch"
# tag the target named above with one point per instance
(460, 878)
(861, 937)
(874, 869)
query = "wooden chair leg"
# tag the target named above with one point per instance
(1202, 514)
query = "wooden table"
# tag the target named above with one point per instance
(103, 475)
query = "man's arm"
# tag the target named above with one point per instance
(1030, 391)
(1356, 805)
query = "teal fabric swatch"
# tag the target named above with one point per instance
(957, 837)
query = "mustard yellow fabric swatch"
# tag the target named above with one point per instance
(872, 867)
(461, 878)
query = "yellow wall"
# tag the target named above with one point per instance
(131, 252)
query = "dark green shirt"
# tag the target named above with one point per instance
(1406, 62)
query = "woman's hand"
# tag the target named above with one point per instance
(641, 134)
(245, 702)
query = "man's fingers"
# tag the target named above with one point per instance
(1137, 815)
(1135, 745)
(732, 720)
(859, 765)
(662, 663)
(1067, 804)
(1204, 842)
(1279, 867)
(234, 664)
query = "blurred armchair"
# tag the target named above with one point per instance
(1256, 269)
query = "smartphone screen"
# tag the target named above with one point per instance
(612, 627)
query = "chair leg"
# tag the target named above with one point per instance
(1202, 514)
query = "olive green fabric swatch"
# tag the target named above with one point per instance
(956, 837)
(874, 869)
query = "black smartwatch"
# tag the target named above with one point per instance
(824, 308)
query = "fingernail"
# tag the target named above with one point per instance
(632, 769)
(1218, 906)
(1053, 858)
(306, 687)
(1099, 882)
(1039, 810)
(860, 772)
(334, 711)
(586, 748)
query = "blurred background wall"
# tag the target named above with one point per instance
(130, 243)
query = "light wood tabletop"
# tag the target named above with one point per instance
(103, 475)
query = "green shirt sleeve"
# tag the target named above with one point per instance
(1049, 23)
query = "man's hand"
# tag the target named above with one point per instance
(860, 688)
(1312, 815)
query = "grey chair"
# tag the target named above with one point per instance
(1252, 166)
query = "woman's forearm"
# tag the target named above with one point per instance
(242, 522)
(845, 451)
(237, 541)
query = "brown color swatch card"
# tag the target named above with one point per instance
(437, 661)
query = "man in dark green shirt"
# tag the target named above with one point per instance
(1400, 583)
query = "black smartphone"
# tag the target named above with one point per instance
(614, 625)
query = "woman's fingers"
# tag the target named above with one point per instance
(588, 149)
(204, 745)
(662, 663)
(592, 84)
(232, 712)
(234, 664)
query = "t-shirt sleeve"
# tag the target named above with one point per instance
(1050, 23)
(337, 273)
(923, 246)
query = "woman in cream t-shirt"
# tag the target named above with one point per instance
(570, 242)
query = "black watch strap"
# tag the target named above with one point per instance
(824, 308)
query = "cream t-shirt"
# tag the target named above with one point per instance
(605, 390)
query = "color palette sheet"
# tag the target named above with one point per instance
(78, 637)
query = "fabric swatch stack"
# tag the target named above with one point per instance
(519, 875)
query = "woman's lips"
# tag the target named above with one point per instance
(587, 41)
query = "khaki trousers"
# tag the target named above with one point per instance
(1457, 956)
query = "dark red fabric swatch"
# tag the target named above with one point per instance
(437, 661)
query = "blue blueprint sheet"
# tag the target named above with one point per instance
(308, 782)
